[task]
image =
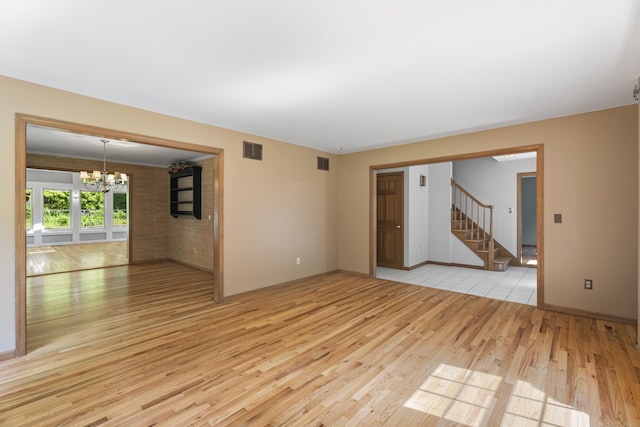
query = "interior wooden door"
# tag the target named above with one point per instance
(390, 219)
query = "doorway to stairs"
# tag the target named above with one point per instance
(507, 210)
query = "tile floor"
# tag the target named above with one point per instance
(517, 284)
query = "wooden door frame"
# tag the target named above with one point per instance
(21, 122)
(538, 149)
(519, 185)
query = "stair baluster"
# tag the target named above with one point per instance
(468, 213)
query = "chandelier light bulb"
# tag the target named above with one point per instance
(102, 180)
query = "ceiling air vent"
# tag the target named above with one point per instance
(323, 163)
(252, 150)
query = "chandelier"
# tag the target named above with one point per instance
(102, 180)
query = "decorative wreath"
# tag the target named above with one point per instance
(178, 166)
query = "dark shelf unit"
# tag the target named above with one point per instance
(186, 189)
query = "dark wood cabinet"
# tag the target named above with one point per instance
(186, 198)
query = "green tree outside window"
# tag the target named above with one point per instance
(57, 213)
(92, 209)
(119, 209)
(28, 209)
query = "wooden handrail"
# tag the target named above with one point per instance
(458, 186)
(474, 213)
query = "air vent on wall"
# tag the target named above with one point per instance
(252, 150)
(323, 163)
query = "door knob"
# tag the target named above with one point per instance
(397, 226)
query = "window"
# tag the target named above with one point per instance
(28, 209)
(57, 214)
(92, 209)
(120, 212)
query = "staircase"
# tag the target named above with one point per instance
(472, 224)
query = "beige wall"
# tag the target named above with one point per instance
(191, 239)
(274, 210)
(282, 208)
(149, 200)
(590, 177)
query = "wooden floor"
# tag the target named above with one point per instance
(145, 345)
(63, 258)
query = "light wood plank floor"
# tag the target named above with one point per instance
(63, 258)
(145, 345)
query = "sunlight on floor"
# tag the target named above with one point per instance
(467, 397)
(73, 257)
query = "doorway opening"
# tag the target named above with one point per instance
(22, 121)
(527, 227)
(445, 248)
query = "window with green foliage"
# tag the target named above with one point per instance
(57, 213)
(119, 209)
(28, 209)
(92, 209)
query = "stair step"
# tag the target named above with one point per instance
(486, 251)
(460, 227)
(501, 263)
(477, 245)
(462, 234)
(461, 221)
(465, 230)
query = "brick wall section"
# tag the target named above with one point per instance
(191, 239)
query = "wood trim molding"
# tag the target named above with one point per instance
(283, 284)
(8, 355)
(592, 315)
(22, 120)
(218, 234)
(540, 225)
(418, 265)
(455, 264)
(446, 264)
(21, 241)
(456, 157)
(373, 245)
(195, 267)
(355, 273)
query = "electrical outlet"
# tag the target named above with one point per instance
(298, 260)
(588, 284)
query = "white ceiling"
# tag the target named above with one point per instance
(334, 74)
(45, 140)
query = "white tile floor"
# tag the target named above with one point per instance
(517, 284)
